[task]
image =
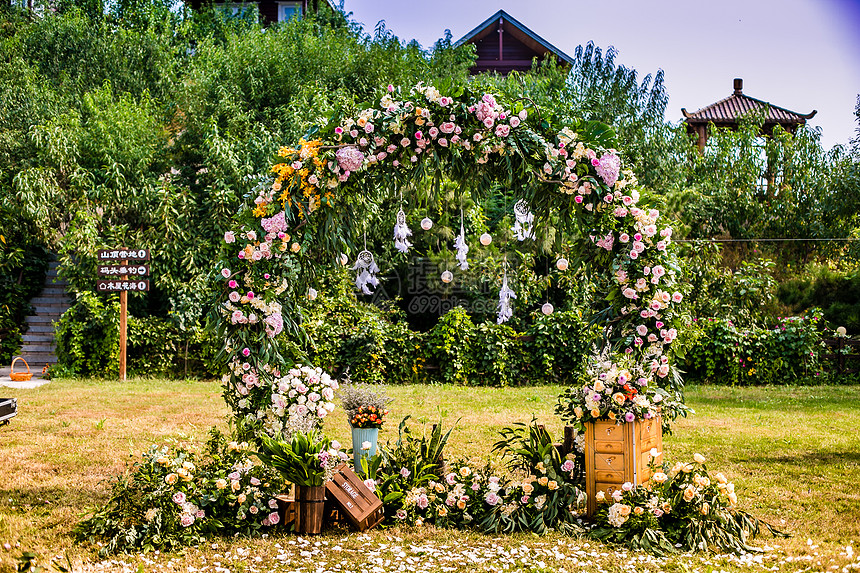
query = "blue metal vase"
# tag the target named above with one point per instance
(359, 436)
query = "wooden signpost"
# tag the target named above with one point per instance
(125, 272)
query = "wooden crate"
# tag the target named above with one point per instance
(360, 505)
(8, 409)
(286, 508)
(619, 453)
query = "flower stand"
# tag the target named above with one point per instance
(359, 436)
(619, 453)
(310, 506)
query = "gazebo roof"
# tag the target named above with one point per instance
(731, 109)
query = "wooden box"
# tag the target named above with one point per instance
(619, 453)
(8, 409)
(355, 501)
(286, 508)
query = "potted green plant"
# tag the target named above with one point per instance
(365, 408)
(307, 459)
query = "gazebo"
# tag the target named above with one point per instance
(728, 112)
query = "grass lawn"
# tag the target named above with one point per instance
(793, 454)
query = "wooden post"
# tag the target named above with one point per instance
(123, 315)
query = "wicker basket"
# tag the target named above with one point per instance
(20, 376)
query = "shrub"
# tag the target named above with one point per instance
(789, 351)
(450, 346)
(88, 336)
(836, 293)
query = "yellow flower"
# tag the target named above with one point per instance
(163, 461)
(638, 510)
(171, 478)
(543, 480)
(552, 485)
(443, 511)
(528, 488)
(465, 471)
(241, 498)
(221, 483)
(260, 210)
(595, 413)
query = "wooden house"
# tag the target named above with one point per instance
(270, 11)
(504, 44)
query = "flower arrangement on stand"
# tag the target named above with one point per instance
(616, 387)
(365, 408)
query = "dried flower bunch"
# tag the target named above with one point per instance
(361, 399)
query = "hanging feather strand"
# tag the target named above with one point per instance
(462, 247)
(401, 232)
(367, 269)
(505, 295)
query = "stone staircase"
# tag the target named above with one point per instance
(38, 345)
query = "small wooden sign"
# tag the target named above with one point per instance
(360, 505)
(121, 285)
(123, 255)
(123, 270)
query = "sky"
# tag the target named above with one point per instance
(797, 54)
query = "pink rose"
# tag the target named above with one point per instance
(225, 273)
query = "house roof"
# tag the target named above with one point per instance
(729, 110)
(518, 30)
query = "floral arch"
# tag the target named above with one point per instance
(563, 172)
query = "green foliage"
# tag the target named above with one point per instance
(788, 352)
(450, 346)
(301, 460)
(23, 262)
(375, 346)
(174, 497)
(136, 125)
(558, 344)
(836, 293)
(88, 336)
(780, 186)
